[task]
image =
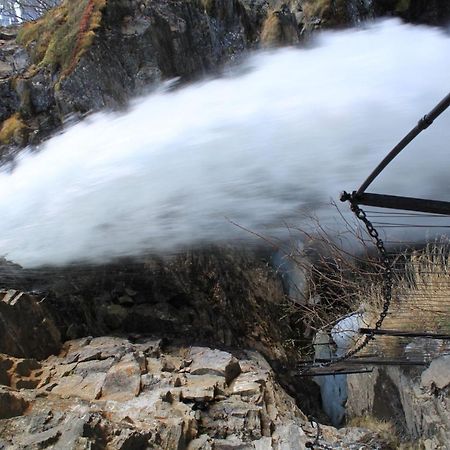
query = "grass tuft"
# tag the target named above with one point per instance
(12, 129)
(385, 430)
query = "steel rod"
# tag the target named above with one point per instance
(406, 203)
(380, 361)
(404, 333)
(423, 123)
(330, 372)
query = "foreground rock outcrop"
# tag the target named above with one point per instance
(110, 393)
(223, 297)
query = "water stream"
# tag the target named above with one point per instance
(286, 132)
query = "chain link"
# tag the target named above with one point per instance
(316, 443)
(387, 295)
(387, 284)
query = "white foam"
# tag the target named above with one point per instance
(297, 128)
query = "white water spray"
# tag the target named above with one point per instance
(297, 128)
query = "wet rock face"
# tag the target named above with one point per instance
(430, 12)
(142, 43)
(138, 45)
(26, 328)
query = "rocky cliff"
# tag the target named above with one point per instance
(415, 401)
(100, 54)
(93, 54)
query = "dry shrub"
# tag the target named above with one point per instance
(340, 284)
(13, 129)
(384, 429)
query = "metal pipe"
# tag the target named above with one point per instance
(404, 203)
(405, 333)
(423, 123)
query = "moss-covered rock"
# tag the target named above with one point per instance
(280, 28)
(58, 39)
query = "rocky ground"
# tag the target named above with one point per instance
(113, 393)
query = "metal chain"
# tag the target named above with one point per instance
(316, 444)
(387, 277)
(387, 295)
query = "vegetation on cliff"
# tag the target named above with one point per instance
(58, 39)
(13, 128)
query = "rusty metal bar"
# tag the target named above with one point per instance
(387, 362)
(379, 361)
(331, 372)
(405, 203)
(403, 333)
(423, 123)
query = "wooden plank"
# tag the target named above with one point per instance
(342, 365)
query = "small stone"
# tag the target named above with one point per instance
(437, 374)
(203, 442)
(66, 385)
(170, 364)
(123, 380)
(91, 387)
(202, 388)
(248, 383)
(6, 70)
(264, 443)
(125, 300)
(214, 362)
(231, 443)
(88, 388)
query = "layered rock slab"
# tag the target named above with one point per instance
(111, 393)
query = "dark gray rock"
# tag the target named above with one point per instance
(11, 404)
(10, 100)
(27, 329)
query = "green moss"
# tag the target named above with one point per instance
(58, 39)
(13, 129)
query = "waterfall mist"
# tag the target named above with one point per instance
(290, 129)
